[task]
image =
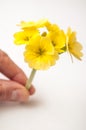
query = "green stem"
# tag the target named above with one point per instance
(29, 81)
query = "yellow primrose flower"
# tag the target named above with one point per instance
(39, 53)
(33, 25)
(73, 46)
(52, 27)
(23, 37)
(42, 23)
(58, 40)
(29, 25)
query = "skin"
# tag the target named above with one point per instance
(13, 89)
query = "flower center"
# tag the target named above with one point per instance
(40, 51)
(54, 44)
(26, 38)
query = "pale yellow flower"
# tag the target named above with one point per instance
(52, 27)
(23, 37)
(42, 23)
(40, 53)
(58, 39)
(29, 25)
(34, 25)
(73, 46)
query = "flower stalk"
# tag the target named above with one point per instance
(29, 81)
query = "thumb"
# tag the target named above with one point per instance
(13, 91)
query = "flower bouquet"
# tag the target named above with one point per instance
(44, 42)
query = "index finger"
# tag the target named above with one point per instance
(10, 69)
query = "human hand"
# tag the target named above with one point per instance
(13, 89)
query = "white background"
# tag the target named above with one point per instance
(60, 99)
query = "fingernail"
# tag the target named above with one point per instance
(18, 96)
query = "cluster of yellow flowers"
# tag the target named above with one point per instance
(44, 42)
